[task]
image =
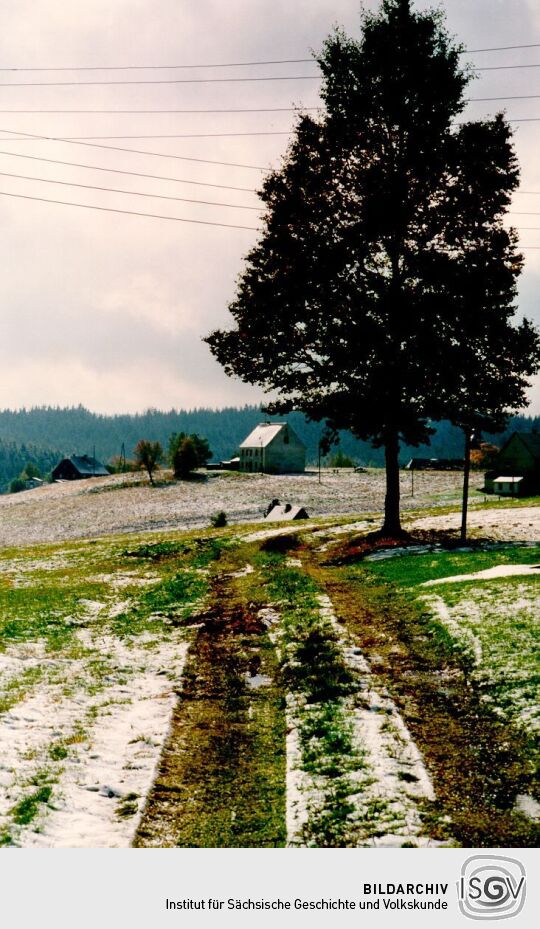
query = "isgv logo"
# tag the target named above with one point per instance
(491, 887)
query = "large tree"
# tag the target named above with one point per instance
(382, 288)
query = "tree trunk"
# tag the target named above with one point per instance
(392, 524)
(466, 470)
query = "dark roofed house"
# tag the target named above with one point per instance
(77, 468)
(518, 458)
(434, 464)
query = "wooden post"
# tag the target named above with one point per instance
(466, 470)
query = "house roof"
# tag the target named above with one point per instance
(263, 434)
(531, 441)
(286, 511)
(87, 465)
(507, 480)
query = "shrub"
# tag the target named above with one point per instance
(219, 520)
(200, 446)
(185, 458)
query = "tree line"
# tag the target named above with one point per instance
(44, 435)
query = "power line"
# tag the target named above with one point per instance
(108, 209)
(196, 135)
(134, 193)
(273, 109)
(190, 80)
(135, 151)
(154, 177)
(226, 64)
(226, 110)
(498, 48)
(497, 68)
(215, 80)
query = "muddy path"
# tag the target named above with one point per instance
(225, 772)
(221, 779)
(478, 764)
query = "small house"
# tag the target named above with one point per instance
(517, 466)
(272, 448)
(507, 486)
(77, 468)
(231, 465)
(285, 511)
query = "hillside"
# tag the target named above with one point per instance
(293, 686)
(77, 430)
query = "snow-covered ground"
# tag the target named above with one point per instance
(511, 523)
(392, 779)
(114, 738)
(126, 503)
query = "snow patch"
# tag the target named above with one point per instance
(113, 740)
(501, 570)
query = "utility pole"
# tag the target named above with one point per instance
(466, 471)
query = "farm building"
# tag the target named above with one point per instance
(517, 468)
(272, 448)
(282, 511)
(435, 464)
(78, 467)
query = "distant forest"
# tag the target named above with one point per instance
(45, 434)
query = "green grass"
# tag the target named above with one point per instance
(314, 671)
(16, 688)
(410, 569)
(502, 617)
(27, 809)
(491, 622)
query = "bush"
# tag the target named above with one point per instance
(219, 520)
(185, 458)
(17, 485)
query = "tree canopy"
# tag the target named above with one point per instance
(194, 454)
(147, 456)
(380, 295)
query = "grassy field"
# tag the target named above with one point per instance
(237, 688)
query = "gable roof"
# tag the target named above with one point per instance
(265, 433)
(286, 511)
(531, 441)
(87, 465)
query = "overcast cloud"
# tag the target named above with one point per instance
(109, 310)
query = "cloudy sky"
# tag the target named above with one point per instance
(107, 309)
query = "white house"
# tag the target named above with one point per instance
(272, 448)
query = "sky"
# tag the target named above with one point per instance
(109, 309)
